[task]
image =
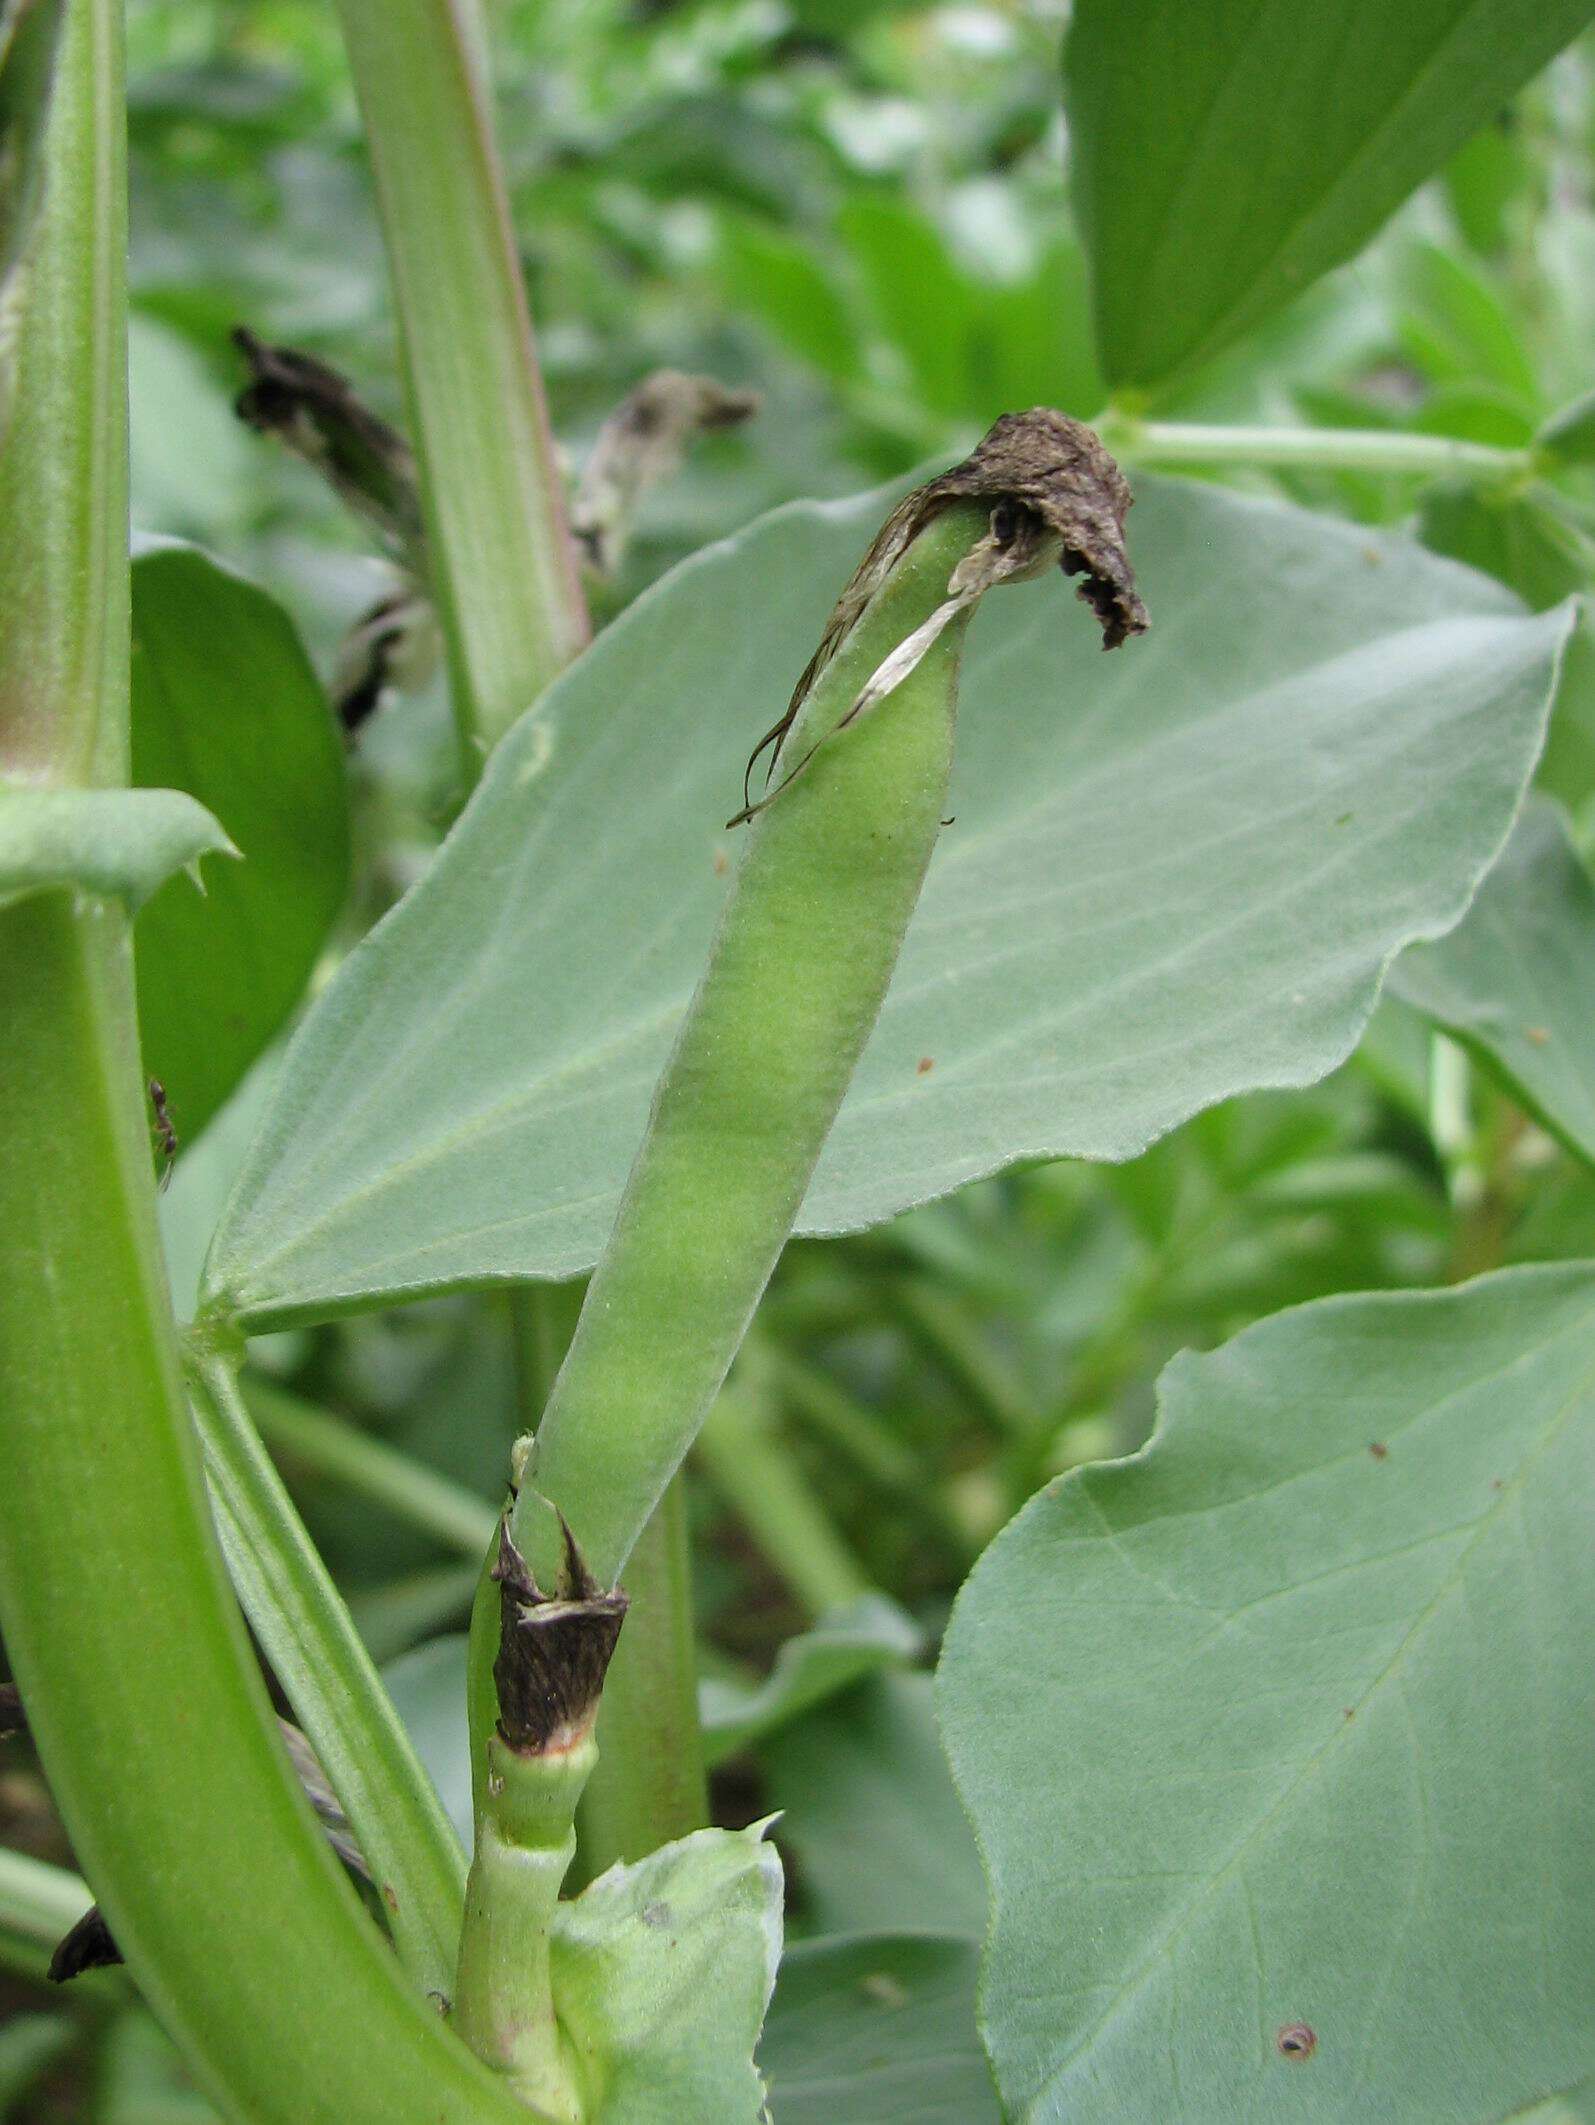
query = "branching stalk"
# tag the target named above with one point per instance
(500, 562)
(1174, 443)
(308, 1636)
(554, 1649)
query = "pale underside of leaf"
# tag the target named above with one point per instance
(1515, 980)
(1174, 875)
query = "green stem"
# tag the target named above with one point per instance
(332, 1447)
(143, 1695)
(503, 1997)
(144, 1698)
(501, 564)
(1308, 449)
(755, 1471)
(63, 456)
(795, 980)
(649, 1785)
(309, 1637)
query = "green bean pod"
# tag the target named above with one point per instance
(799, 967)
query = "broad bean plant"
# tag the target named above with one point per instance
(798, 891)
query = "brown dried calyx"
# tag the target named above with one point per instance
(1056, 470)
(554, 1649)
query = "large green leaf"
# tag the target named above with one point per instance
(226, 706)
(1286, 1720)
(1175, 874)
(1515, 979)
(1227, 152)
(878, 2029)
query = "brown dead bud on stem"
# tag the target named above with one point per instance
(316, 412)
(1056, 495)
(554, 1649)
(642, 443)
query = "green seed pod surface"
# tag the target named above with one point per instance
(799, 967)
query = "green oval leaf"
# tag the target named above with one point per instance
(1175, 874)
(226, 706)
(1286, 1721)
(1515, 980)
(878, 2029)
(841, 1650)
(1225, 156)
(661, 1973)
(115, 844)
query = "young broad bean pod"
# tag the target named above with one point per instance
(796, 975)
(799, 966)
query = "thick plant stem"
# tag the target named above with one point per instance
(553, 1648)
(308, 1636)
(63, 452)
(142, 1692)
(649, 1785)
(503, 1995)
(799, 967)
(500, 561)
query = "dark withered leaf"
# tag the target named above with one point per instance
(89, 1946)
(643, 442)
(317, 413)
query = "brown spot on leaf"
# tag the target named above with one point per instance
(391, 1899)
(1297, 2040)
(722, 863)
(1379, 1450)
(1538, 1034)
(924, 1066)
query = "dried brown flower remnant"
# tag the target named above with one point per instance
(642, 443)
(1056, 495)
(317, 413)
(1057, 470)
(554, 1649)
